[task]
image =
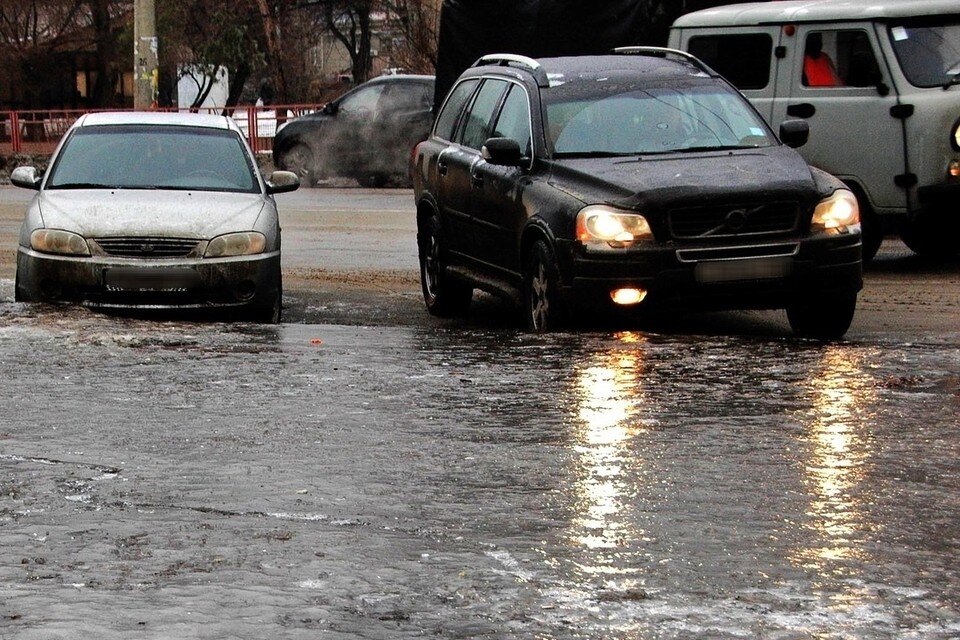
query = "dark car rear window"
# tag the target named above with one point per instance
(154, 157)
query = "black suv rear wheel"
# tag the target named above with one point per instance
(444, 296)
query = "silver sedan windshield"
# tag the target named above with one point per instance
(153, 157)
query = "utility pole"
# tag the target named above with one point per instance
(145, 58)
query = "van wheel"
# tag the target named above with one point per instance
(543, 306)
(825, 317)
(935, 241)
(871, 231)
(444, 296)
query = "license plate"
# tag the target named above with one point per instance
(150, 279)
(735, 270)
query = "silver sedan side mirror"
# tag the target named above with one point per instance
(282, 182)
(26, 177)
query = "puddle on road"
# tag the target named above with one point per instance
(608, 485)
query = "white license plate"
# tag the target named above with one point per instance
(736, 270)
(150, 279)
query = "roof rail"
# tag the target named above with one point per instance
(663, 52)
(516, 61)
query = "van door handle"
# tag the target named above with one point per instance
(442, 168)
(802, 110)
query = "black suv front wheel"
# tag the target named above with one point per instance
(542, 304)
(822, 317)
(444, 296)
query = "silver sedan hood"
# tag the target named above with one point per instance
(98, 213)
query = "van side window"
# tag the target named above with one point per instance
(743, 59)
(839, 59)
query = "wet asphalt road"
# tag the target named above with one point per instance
(363, 471)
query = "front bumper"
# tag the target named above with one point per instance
(760, 276)
(242, 281)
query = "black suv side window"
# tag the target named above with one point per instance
(447, 119)
(514, 120)
(477, 122)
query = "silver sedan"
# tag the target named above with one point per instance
(153, 210)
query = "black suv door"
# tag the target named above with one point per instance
(455, 167)
(498, 211)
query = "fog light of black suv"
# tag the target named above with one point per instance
(628, 296)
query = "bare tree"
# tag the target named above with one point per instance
(37, 37)
(418, 22)
(350, 23)
(201, 36)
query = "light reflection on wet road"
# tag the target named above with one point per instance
(208, 480)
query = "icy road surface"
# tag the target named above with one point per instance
(167, 479)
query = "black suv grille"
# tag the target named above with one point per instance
(734, 220)
(141, 247)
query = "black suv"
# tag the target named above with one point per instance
(627, 180)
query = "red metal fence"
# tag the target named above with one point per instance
(38, 132)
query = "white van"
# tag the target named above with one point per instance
(878, 81)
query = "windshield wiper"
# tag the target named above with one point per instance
(84, 185)
(563, 155)
(727, 147)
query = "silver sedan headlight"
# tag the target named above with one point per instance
(605, 228)
(236, 244)
(59, 242)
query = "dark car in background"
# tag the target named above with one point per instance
(366, 134)
(583, 184)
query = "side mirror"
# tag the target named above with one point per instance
(282, 182)
(331, 108)
(502, 151)
(26, 177)
(794, 133)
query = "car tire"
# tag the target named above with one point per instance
(444, 295)
(272, 312)
(871, 231)
(375, 180)
(824, 317)
(933, 241)
(299, 159)
(17, 296)
(544, 309)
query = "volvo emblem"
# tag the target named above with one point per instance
(736, 219)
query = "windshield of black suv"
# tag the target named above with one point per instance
(928, 51)
(153, 157)
(615, 118)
